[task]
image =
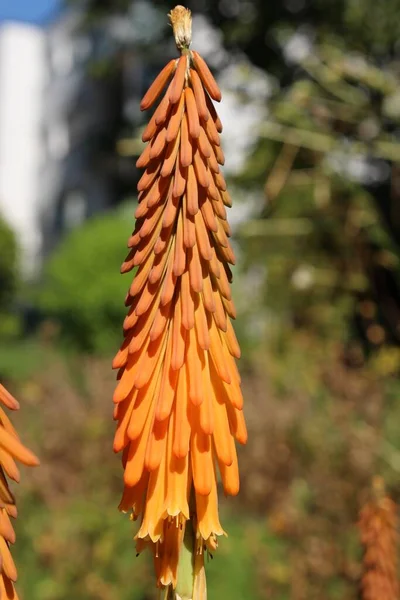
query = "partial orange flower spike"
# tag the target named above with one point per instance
(379, 536)
(11, 450)
(178, 402)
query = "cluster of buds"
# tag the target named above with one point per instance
(11, 450)
(178, 401)
(378, 526)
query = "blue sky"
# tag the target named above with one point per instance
(32, 11)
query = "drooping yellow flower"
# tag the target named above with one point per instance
(11, 450)
(378, 524)
(178, 401)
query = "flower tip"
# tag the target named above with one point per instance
(181, 21)
(7, 399)
(29, 458)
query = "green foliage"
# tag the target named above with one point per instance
(84, 551)
(372, 23)
(21, 358)
(83, 290)
(326, 246)
(9, 277)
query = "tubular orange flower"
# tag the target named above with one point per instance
(178, 401)
(11, 450)
(378, 525)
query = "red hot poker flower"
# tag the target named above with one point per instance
(178, 401)
(11, 450)
(378, 525)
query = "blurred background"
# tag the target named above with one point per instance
(311, 114)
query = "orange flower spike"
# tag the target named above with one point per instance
(7, 399)
(199, 95)
(186, 144)
(378, 527)
(11, 450)
(179, 80)
(178, 398)
(206, 77)
(157, 86)
(192, 114)
(213, 114)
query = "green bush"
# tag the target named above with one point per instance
(9, 279)
(83, 291)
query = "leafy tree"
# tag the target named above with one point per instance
(9, 278)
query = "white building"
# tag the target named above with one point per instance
(22, 79)
(51, 115)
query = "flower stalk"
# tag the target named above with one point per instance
(178, 400)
